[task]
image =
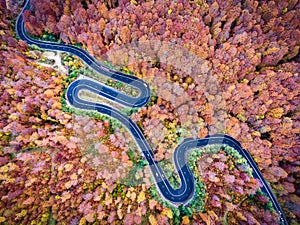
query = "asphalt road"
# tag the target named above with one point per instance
(186, 191)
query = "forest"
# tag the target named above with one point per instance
(212, 65)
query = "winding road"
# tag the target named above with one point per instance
(185, 193)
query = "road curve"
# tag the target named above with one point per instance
(186, 191)
(140, 85)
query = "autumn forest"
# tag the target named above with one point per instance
(229, 66)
